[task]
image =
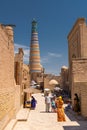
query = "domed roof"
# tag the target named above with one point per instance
(64, 67)
(53, 82)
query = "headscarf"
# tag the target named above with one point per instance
(60, 98)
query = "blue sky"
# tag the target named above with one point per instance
(55, 20)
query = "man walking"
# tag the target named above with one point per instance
(47, 102)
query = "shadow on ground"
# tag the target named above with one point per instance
(73, 116)
(46, 112)
(82, 126)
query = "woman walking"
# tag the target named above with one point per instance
(60, 109)
(76, 107)
(33, 102)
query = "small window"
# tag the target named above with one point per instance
(73, 56)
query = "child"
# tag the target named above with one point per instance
(53, 105)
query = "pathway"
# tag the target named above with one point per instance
(38, 119)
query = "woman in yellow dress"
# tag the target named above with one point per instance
(60, 109)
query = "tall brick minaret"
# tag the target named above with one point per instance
(34, 59)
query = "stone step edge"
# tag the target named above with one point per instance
(11, 124)
(23, 118)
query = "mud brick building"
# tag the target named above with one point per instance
(77, 46)
(7, 82)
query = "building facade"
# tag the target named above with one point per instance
(77, 46)
(77, 43)
(65, 78)
(14, 76)
(7, 82)
(22, 76)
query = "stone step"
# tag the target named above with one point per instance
(11, 124)
(66, 123)
(22, 115)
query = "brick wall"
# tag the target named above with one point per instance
(77, 44)
(79, 69)
(79, 84)
(81, 89)
(7, 86)
(17, 98)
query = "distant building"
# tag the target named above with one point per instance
(65, 78)
(19, 66)
(48, 78)
(36, 69)
(22, 76)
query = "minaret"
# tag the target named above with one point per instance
(34, 61)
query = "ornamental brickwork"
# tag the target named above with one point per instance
(34, 59)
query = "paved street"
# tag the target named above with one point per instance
(39, 120)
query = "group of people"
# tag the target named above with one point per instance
(56, 105)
